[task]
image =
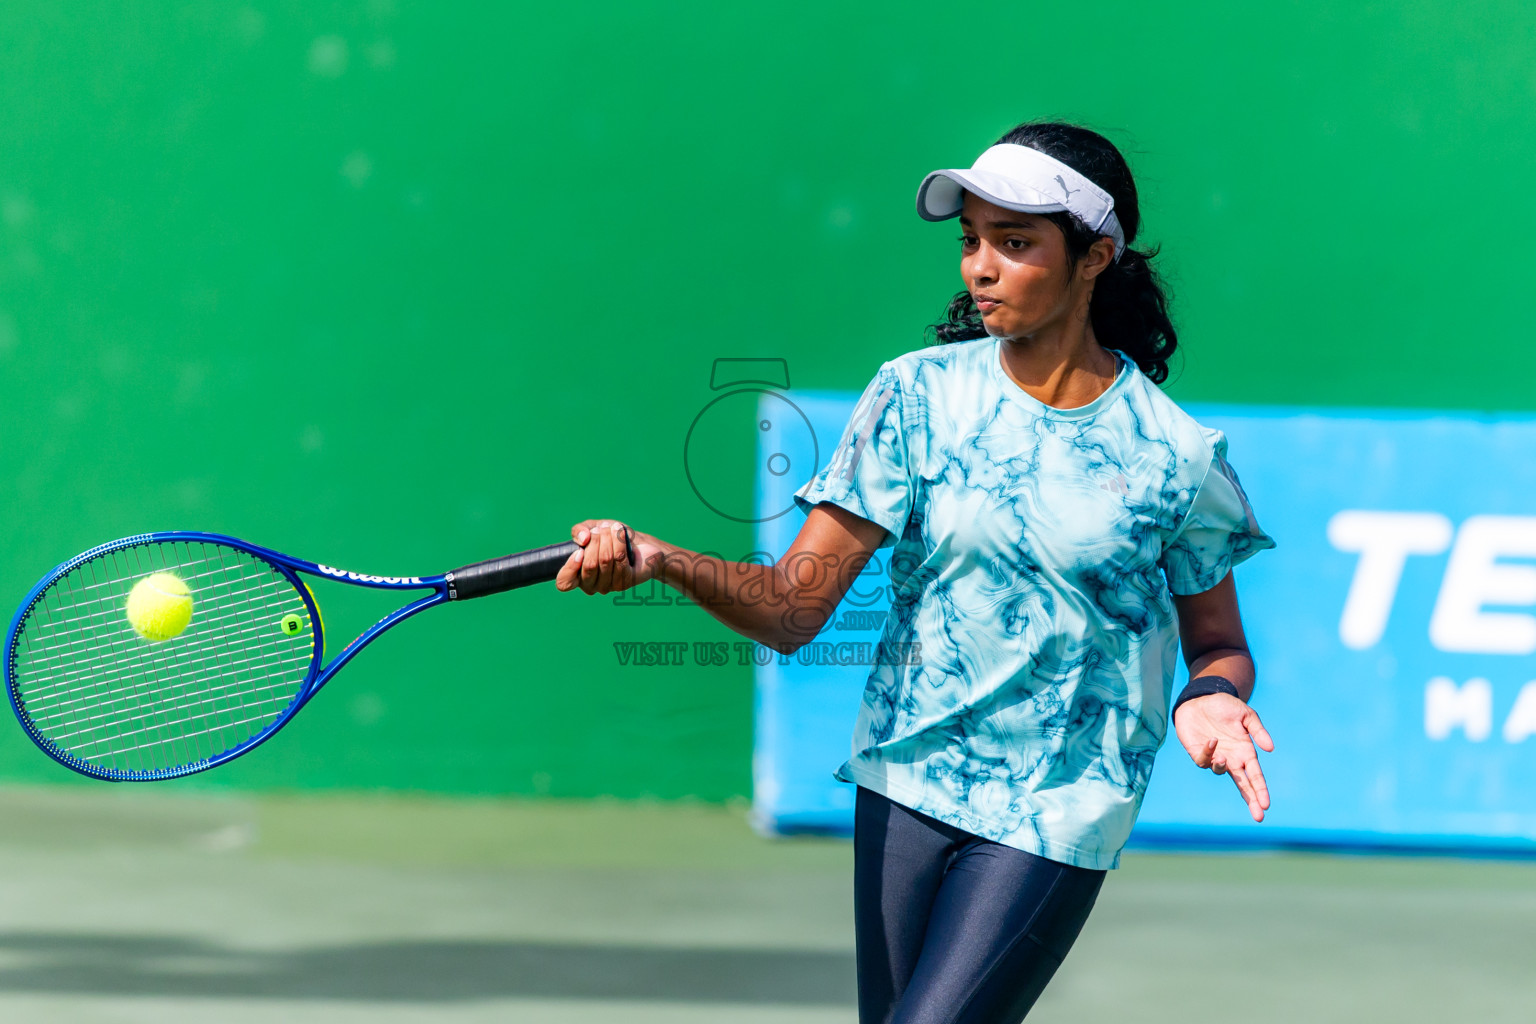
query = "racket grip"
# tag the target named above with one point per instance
(509, 572)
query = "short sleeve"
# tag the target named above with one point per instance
(1218, 532)
(867, 473)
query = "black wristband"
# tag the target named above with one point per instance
(1204, 686)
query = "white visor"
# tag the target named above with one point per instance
(1023, 179)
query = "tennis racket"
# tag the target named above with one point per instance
(101, 699)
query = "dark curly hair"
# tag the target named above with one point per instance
(1129, 310)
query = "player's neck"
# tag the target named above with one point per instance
(1065, 368)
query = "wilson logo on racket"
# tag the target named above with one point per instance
(361, 578)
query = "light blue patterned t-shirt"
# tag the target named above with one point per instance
(1036, 551)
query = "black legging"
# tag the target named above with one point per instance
(953, 928)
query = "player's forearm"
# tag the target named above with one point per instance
(1233, 664)
(779, 605)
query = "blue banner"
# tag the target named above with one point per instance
(1393, 628)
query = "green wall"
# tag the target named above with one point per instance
(400, 285)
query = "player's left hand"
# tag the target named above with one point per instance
(1220, 731)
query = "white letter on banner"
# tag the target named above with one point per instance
(1446, 706)
(1384, 540)
(1522, 717)
(1475, 578)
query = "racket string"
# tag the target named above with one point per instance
(143, 655)
(99, 692)
(43, 715)
(60, 737)
(189, 579)
(111, 615)
(151, 656)
(200, 732)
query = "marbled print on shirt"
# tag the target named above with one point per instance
(1035, 554)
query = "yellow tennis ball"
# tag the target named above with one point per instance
(159, 606)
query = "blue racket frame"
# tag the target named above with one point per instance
(319, 673)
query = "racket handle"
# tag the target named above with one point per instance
(512, 571)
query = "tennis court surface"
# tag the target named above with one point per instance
(126, 904)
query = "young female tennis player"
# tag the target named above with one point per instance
(1059, 528)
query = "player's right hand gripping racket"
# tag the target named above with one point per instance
(111, 697)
